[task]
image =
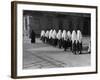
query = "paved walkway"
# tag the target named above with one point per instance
(40, 55)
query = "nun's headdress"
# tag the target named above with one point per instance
(74, 36)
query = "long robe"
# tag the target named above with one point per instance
(79, 41)
(59, 35)
(74, 36)
(50, 36)
(43, 35)
(69, 39)
(79, 36)
(64, 39)
(89, 47)
(69, 35)
(64, 35)
(50, 33)
(32, 36)
(74, 41)
(47, 36)
(59, 38)
(54, 39)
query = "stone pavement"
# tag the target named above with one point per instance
(40, 55)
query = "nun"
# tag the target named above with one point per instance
(43, 36)
(59, 39)
(69, 42)
(50, 36)
(32, 36)
(54, 39)
(79, 41)
(74, 41)
(64, 39)
(89, 47)
(47, 36)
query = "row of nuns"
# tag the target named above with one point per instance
(63, 39)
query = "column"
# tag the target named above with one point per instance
(28, 26)
(24, 26)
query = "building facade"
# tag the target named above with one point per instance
(42, 20)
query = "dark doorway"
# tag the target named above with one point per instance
(86, 26)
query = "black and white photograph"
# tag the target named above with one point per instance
(53, 39)
(56, 39)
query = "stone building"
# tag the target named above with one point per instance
(43, 20)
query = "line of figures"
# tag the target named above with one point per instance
(64, 39)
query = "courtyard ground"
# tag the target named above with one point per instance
(40, 55)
